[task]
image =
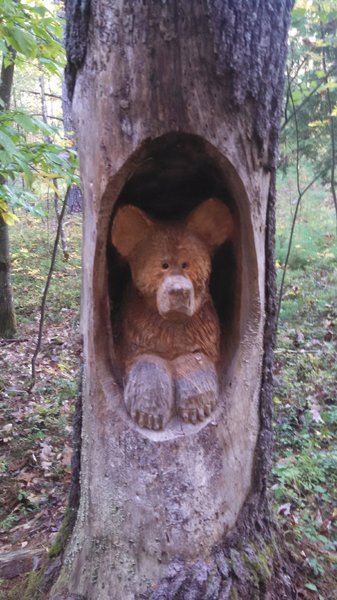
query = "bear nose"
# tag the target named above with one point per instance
(181, 292)
(176, 294)
(179, 287)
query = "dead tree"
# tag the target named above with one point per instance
(174, 103)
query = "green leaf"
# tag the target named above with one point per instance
(298, 12)
(25, 121)
(296, 96)
(9, 218)
(311, 586)
(23, 41)
(3, 46)
(330, 85)
(52, 65)
(7, 143)
(40, 10)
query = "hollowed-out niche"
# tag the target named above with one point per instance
(172, 175)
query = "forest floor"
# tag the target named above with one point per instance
(305, 467)
(35, 428)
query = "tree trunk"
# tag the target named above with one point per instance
(7, 315)
(75, 199)
(49, 140)
(175, 103)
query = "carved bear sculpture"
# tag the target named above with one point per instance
(169, 342)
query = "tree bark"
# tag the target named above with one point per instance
(7, 314)
(175, 102)
(75, 199)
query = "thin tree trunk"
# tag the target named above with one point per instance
(174, 103)
(7, 314)
(332, 122)
(75, 200)
(55, 182)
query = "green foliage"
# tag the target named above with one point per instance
(8, 522)
(34, 32)
(305, 474)
(311, 88)
(38, 161)
(31, 252)
(33, 155)
(314, 241)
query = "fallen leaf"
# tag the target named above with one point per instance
(46, 465)
(311, 586)
(27, 477)
(285, 509)
(325, 526)
(328, 336)
(318, 518)
(46, 452)
(67, 454)
(315, 412)
(7, 428)
(16, 465)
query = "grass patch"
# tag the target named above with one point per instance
(305, 470)
(31, 248)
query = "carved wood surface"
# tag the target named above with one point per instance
(213, 69)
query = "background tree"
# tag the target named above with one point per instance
(311, 91)
(34, 157)
(169, 99)
(34, 426)
(7, 315)
(309, 128)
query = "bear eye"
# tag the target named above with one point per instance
(165, 265)
(184, 265)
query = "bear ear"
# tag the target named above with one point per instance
(212, 222)
(129, 227)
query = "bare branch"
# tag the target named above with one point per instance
(55, 182)
(45, 293)
(300, 196)
(48, 116)
(46, 94)
(321, 82)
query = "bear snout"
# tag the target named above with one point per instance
(176, 295)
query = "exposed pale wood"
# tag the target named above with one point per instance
(174, 103)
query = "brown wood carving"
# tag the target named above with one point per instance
(169, 343)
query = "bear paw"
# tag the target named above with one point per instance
(196, 387)
(148, 393)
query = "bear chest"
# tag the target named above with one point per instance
(147, 332)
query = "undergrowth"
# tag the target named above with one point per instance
(305, 469)
(35, 428)
(34, 461)
(31, 242)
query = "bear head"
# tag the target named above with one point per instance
(171, 263)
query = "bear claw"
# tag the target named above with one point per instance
(148, 393)
(193, 415)
(150, 421)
